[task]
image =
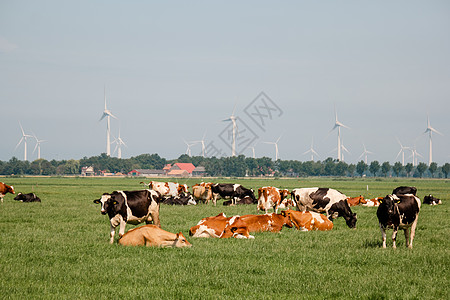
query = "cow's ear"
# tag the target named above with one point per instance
(97, 201)
(233, 229)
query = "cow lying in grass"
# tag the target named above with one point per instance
(153, 236)
(308, 220)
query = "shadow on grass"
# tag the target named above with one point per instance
(372, 244)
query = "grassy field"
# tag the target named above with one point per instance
(59, 249)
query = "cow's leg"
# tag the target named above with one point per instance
(383, 235)
(407, 236)
(111, 234)
(122, 225)
(413, 232)
(394, 237)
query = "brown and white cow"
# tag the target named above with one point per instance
(373, 202)
(220, 226)
(168, 188)
(132, 207)
(4, 189)
(272, 197)
(308, 220)
(267, 222)
(354, 201)
(202, 192)
(399, 212)
(153, 236)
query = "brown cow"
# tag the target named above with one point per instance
(220, 227)
(272, 197)
(373, 202)
(308, 220)
(354, 201)
(153, 236)
(202, 192)
(4, 189)
(268, 222)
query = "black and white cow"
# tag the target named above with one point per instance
(233, 191)
(131, 207)
(30, 197)
(245, 200)
(403, 190)
(327, 200)
(399, 212)
(431, 200)
(182, 199)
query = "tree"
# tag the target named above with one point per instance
(351, 169)
(446, 169)
(397, 168)
(374, 167)
(432, 168)
(408, 168)
(421, 168)
(361, 167)
(385, 168)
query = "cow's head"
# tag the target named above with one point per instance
(10, 189)
(284, 193)
(19, 197)
(287, 219)
(105, 203)
(351, 220)
(111, 203)
(236, 228)
(388, 204)
(180, 241)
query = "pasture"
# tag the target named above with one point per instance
(59, 249)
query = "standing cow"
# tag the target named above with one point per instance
(272, 197)
(131, 207)
(399, 212)
(327, 200)
(233, 191)
(4, 189)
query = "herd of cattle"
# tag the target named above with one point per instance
(316, 208)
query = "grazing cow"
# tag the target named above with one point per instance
(373, 202)
(220, 227)
(168, 188)
(233, 191)
(267, 222)
(399, 212)
(271, 197)
(202, 192)
(182, 199)
(403, 190)
(30, 197)
(431, 200)
(331, 201)
(354, 201)
(131, 207)
(153, 236)
(308, 220)
(4, 189)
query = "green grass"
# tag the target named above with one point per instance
(59, 249)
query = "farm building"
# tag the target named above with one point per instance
(146, 172)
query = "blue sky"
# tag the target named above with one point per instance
(174, 70)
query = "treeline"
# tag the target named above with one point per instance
(238, 166)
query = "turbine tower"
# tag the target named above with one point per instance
(430, 130)
(38, 146)
(202, 141)
(276, 147)
(253, 150)
(415, 156)
(107, 113)
(119, 142)
(312, 151)
(24, 140)
(189, 145)
(232, 118)
(365, 152)
(338, 125)
(402, 152)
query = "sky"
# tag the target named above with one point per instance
(174, 70)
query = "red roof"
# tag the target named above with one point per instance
(186, 166)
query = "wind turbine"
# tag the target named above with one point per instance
(189, 145)
(414, 155)
(338, 125)
(24, 140)
(232, 118)
(430, 130)
(312, 151)
(38, 146)
(365, 152)
(276, 147)
(107, 113)
(202, 141)
(344, 149)
(253, 150)
(119, 142)
(402, 152)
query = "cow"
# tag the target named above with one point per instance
(153, 236)
(399, 212)
(168, 188)
(4, 189)
(354, 201)
(373, 202)
(327, 200)
(233, 191)
(30, 197)
(220, 226)
(245, 200)
(268, 222)
(403, 190)
(308, 220)
(272, 197)
(431, 200)
(183, 199)
(202, 192)
(132, 207)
